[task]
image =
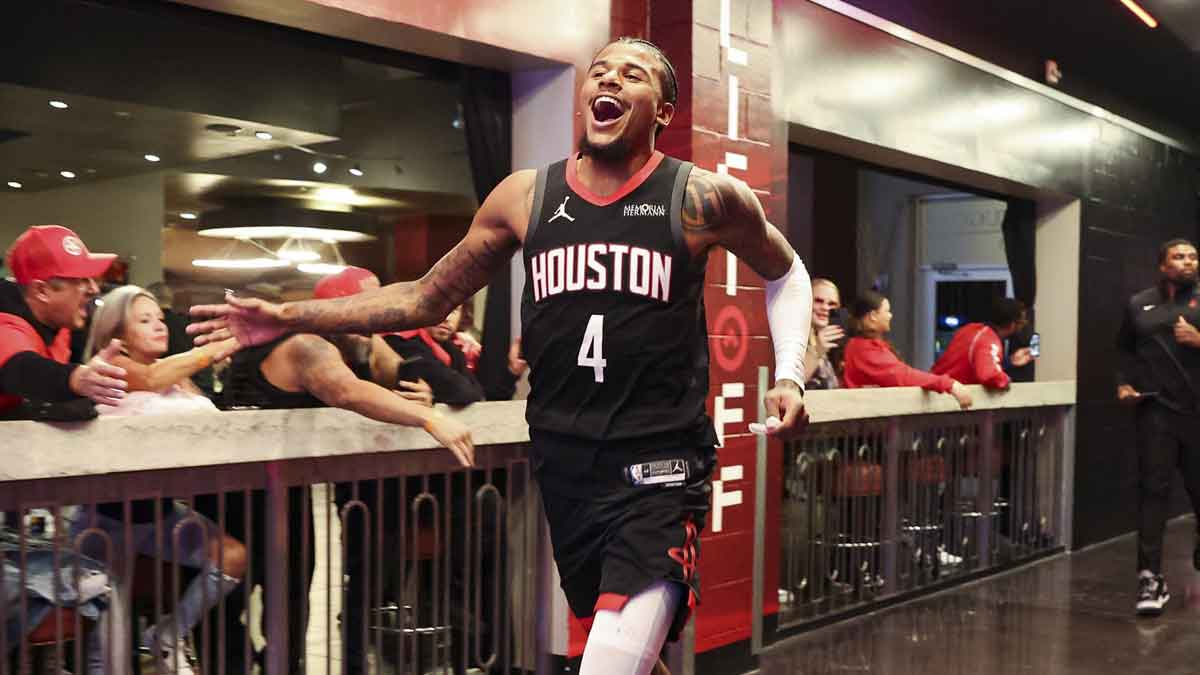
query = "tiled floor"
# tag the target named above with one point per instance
(1072, 615)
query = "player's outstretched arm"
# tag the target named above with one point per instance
(487, 247)
(728, 213)
(320, 370)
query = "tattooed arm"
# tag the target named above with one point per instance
(495, 234)
(722, 211)
(719, 210)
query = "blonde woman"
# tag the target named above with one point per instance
(819, 370)
(131, 316)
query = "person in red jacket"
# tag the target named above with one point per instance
(55, 282)
(871, 361)
(976, 353)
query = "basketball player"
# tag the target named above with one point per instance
(615, 241)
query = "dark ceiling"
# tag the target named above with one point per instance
(1108, 57)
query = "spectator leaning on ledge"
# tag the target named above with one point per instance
(55, 281)
(871, 361)
(976, 353)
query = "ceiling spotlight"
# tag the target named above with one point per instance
(1141, 13)
(187, 215)
(319, 167)
(356, 170)
(15, 185)
(152, 158)
(59, 105)
(263, 135)
(67, 174)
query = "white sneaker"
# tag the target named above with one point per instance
(1152, 594)
(172, 657)
(948, 559)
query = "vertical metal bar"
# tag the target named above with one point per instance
(330, 489)
(248, 523)
(403, 555)
(306, 546)
(985, 498)
(378, 580)
(276, 570)
(221, 602)
(760, 520)
(472, 602)
(889, 531)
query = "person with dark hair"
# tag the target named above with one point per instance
(871, 360)
(975, 354)
(1158, 369)
(614, 240)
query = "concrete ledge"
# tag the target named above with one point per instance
(35, 450)
(852, 404)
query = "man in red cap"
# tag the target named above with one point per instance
(55, 282)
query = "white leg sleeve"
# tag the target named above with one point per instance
(628, 642)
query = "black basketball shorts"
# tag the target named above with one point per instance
(622, 519)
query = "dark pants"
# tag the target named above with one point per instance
(298, 582)
(1166, 440)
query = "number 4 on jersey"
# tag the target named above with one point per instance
(591, 352)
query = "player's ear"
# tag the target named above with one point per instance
(666, 113)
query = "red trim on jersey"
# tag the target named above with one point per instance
(630, 185)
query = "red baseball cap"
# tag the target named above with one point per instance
(347, 282)
(46, 251)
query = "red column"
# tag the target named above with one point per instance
(721, 50)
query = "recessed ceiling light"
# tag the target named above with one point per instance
(67, 174)
(263, 135)
(355, 170)
(61, 105)
(123, 114)
(15, 185)
(319, 167)
(187, 215)
(152, 158)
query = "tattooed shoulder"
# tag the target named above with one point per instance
(703, 204)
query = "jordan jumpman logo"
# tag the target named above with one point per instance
(562, 211)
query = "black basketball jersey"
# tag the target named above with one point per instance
(613, 310)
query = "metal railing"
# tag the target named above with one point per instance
(354, 546)
(876, 508)
(389, 562)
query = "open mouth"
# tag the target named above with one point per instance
(606, 110)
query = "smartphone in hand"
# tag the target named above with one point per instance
(1035, 346)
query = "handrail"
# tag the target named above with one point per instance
(39, 450)
(853, 404)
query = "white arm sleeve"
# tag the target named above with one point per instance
(789, 315)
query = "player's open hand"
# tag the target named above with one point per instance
(786, 417)
(250, 321)
(454, 435)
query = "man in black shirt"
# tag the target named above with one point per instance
(1159, 370)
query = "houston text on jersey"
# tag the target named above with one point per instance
(601, 267)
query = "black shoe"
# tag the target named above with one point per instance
(1152, 595)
